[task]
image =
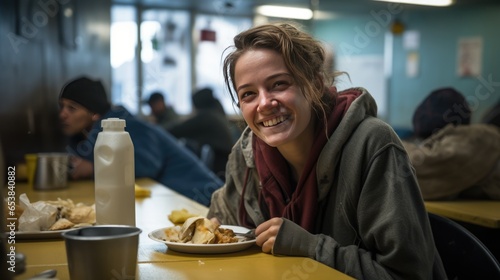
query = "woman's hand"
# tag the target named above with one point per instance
(266, 234)
(215, 221)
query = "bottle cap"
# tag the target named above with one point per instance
(113, 124)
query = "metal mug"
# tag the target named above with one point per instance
(51, 171)
(102, 252)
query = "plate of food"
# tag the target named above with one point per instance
(48, 219)
(199, 235)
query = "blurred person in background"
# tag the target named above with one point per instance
(207, 126)
(452, 157)
(83, 104)
(492, 116)
(161, 113)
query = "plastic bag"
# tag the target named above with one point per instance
(38, 216)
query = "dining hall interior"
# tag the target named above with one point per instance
(399, 52)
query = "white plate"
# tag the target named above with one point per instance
(52, 234)
(159, 235)
(48, 234)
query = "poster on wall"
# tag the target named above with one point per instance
(411, 40)
(470, 50)
(412, 64)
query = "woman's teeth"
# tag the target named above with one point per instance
(274, 121)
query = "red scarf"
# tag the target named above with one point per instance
(279, 195)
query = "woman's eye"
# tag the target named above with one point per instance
(245, 94)
(280, 85)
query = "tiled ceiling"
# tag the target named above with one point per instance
(246, 7)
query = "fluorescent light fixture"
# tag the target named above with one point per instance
(284, 12)
(439, 3)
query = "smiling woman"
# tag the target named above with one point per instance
(318, 165)
(271, 103)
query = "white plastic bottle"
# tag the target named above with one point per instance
(114, 174)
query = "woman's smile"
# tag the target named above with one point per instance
(274, 122)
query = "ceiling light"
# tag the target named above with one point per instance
(284, 12)
(440, 3)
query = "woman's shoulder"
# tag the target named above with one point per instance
(375, 127)
(375, 124)
(375, 133)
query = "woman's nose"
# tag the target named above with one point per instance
(266, 102)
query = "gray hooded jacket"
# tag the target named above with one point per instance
(372, 220)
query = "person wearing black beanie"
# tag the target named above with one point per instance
(88, 93)
(157, 154)
(88, 102)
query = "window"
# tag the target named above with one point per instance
(169, 50)
(209, 54)
(123, 47)
(166, 57)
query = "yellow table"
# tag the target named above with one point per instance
(155, 261)
(482, 213)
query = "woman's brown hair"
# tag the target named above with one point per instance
(303, 55)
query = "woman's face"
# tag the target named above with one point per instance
(272, 104)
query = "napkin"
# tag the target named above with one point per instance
(36, 216)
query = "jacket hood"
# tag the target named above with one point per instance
(363, 107)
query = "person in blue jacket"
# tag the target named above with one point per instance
(83, 104)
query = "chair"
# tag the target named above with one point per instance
(463, 255)
(204, 152)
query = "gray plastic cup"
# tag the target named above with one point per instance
(102, 252)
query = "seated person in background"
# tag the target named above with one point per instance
(492, 116)
(208, 126)
(83, 104)
(452, 157)
(161, 113)
(316, 172)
